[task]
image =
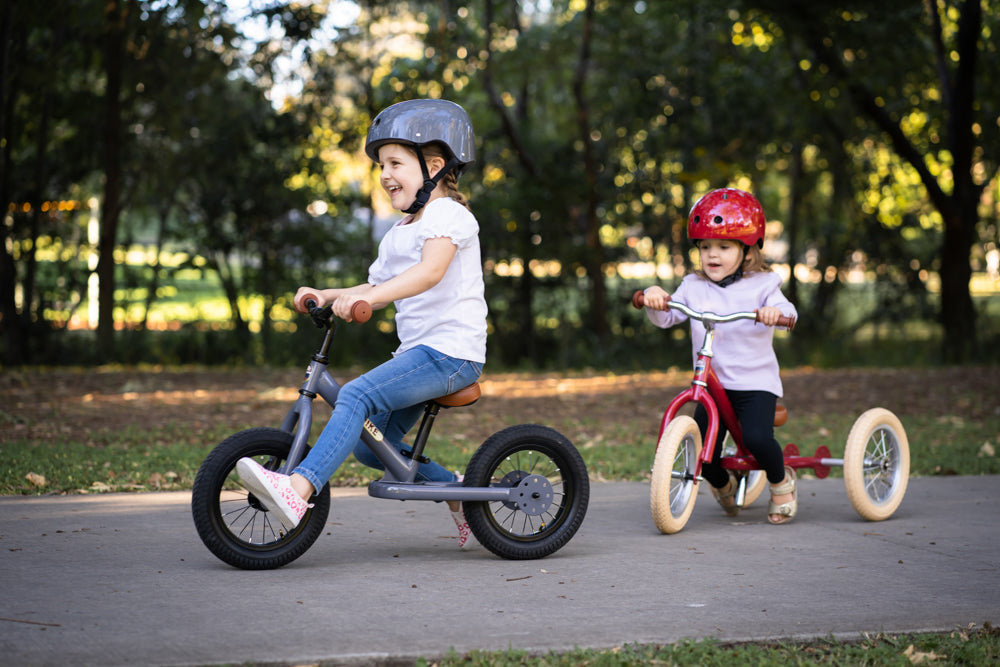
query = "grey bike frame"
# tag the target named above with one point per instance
(399, 481)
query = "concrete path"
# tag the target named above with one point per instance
(124, 580)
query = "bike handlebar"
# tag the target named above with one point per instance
(361, 311)
(639, 301)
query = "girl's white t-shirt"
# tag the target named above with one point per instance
(451, 316)
(743, 354)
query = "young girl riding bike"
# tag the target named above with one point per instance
(429, 266)
(727, 227)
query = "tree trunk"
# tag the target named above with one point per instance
(958, 314)
(111, 210)
(11, 324)
(227, 278)
(792, 219)
(512, 130)
(154, 282)
(594, 251)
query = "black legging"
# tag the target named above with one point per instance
(755, 412)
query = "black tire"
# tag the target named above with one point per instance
(232, 523)
(556, 490)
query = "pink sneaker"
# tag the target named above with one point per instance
(465, 538)
(274, 491)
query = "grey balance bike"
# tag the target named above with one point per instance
(525, 489)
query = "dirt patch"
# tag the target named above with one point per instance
(51, 405)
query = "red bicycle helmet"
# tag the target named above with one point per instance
(728, 213)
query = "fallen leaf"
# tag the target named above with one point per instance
(919, 657)
(35, 479)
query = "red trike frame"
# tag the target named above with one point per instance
(706, 390)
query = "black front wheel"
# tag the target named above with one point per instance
(232, 523)
(552, 491)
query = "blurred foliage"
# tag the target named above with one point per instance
(598, 123)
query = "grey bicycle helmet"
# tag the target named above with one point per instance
(421, 122)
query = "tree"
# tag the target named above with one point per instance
(116, 16)
(927, 95)
(46, 158)
(599, 123)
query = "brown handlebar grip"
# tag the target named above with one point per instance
(786, 321)
(301, 302)
(783, 321)
(361, 311)
(639, 300)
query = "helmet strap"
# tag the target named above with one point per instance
(731, 278)
(735, 275)
(424, 193)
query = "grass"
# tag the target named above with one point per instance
(167, 458)
(135, 459)
(960, 440)
(969, 646)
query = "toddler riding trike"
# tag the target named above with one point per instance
(876, 459)
(525, 489)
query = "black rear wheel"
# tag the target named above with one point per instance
(232, 523)
(553, 491)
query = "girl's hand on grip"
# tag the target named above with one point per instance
(768, 315)
(351, 308)
(656, 298)
(303, 295)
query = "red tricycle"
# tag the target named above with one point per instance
(876, 459)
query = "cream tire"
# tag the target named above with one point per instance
(756, 479)
(673, 487)
(876, 464)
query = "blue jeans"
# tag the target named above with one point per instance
(392, 396)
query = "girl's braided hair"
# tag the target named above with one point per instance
(450, 180)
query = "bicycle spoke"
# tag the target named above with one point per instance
(879, 470)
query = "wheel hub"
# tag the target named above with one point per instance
(253, 501)
(533, 495)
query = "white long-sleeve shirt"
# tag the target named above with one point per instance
(743, 353)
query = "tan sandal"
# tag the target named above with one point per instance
(786, 511)
(728, 492)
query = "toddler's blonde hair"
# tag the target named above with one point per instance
(754, 261)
